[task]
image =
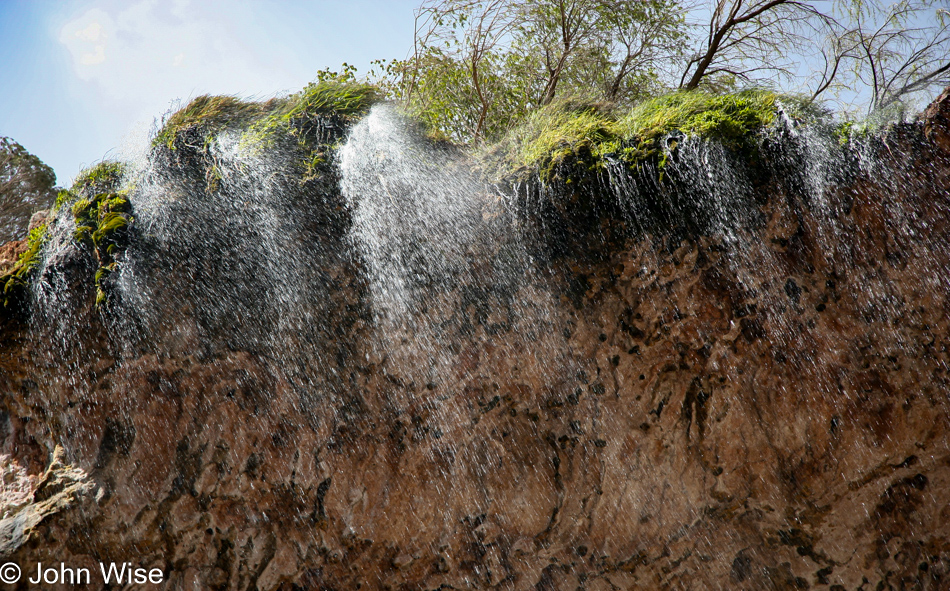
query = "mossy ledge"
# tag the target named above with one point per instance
(563, 146)
(306, 124)
(584, 174)
(593, 134)
(206, 115)
(306, 120)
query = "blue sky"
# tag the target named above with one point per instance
(84, 79)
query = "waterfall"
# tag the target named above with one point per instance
(327, 350)
(438, 243)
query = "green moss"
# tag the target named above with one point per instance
(102, 274)
(109, 224)
(102, 178)
(62, 199)
(851, 131)
(213, 178)
(19, 276)
(101, 219)
(593, 132)
(730, 118)
(103, 223)
(295, 116)
(550, 135)
(313, 163)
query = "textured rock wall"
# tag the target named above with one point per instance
(687, 415)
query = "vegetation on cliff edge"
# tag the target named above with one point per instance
(596, 132)
(296, 118)
(18, 277)
(102, 215)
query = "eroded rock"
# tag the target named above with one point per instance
(765, 410)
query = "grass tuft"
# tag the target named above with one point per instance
(330, 97)
(296, 117)
(729, 118)
(208, 114)
(18, 277)
(101, 178)
(595, 132)
(562, 129)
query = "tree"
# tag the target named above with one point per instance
(26, 185)
(899, 50)
(885, 55)
(745, 38)
(559, 29)
(480, 66)
(493, 61)
(451, 79)
(895, 50)
(602, 44)
(642, 39)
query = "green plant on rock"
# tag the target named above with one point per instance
(592, 133)
(100, 218)
(102, 178)
(206, 115)
(102, 214)
(551, 134)
(729, 118)
(19, 276)
(851, 131)
(103, 224)
(296, 116)
(290, 115)
(330, 97)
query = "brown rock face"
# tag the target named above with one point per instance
(9, 254)
(937, 121)
(764, 408)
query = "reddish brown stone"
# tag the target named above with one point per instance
(936, 118)
(675, 420)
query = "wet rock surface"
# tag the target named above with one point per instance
(9, 253)
(767, 412)
(937, 121)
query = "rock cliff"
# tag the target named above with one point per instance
(759, 406)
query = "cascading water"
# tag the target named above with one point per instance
(334, 356)
(437, 243)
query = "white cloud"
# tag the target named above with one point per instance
(141, 56)
(97, 57)
(91, 33)
(86, 39)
